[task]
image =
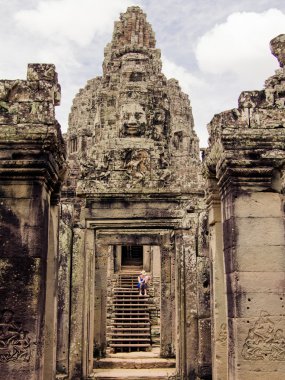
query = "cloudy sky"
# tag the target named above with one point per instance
(215, 49)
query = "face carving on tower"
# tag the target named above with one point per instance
(133, 120)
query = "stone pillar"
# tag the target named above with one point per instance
(51, 296)
(64, 287)
(218, 288)
(100, 307)
(167, 309)
(118, 257)
(187, 305)
(77, 303)
(254, 246)
(31, 161)
(89, 293)
(147, 258)
(247, 156)
(156, 269)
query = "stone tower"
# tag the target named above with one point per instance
(134, 181)
(131, 129)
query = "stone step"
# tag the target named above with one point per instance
(129, 345)
(127, 333)
(126, 291)
(134, 374)
(132, 303)
(133, 318)
(128, 313)
(127, 339)
(130, 328)
(134, 363)
(131, 310)
(130, 296)
(134, 324)
(137, 304)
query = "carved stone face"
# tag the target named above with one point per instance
(133, 119)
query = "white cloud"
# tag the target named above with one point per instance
(232, 57)
(196, 87)
(69, 33)
(74, 20)
(185, 78)
(72, 35)
(241, 45)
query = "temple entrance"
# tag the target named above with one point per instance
(132, 255)
(134, 326)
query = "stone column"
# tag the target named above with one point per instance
(31, 161)
(254, 245)
(147, 258)
(187, 313)
(218, 287)
(51, 296)
(100, 307)
(89, 293)
(118, 257)
(156, 261)
(77, 303)
(64, 287)
(167, 309)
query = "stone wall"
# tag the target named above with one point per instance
(31, 168)
(245, 167)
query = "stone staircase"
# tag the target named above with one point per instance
(130, 323)
(132, 352)
(135, 366)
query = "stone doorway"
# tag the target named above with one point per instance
(133, 321)
(132, 256)
(158, 258)
(133, 330)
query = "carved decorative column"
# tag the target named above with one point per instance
(218, 285)
(167, 309)
(247, 155)
(77, 302)
(89, 294)
(31, 163)
(64, 287)
(102, 251)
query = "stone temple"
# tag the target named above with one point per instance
(125, 191)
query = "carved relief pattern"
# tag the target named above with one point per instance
(222, 334)
(137, 165)
(264, 341)
(15, 344)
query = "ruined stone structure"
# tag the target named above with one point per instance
(245, 165)
(134, 182)
(31, 168)
(137, 197)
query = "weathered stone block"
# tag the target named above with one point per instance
(41, 71)
(258, 205)
(261, 232)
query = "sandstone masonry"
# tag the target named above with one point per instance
(136, 197)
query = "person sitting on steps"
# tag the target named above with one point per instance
(143, 280)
